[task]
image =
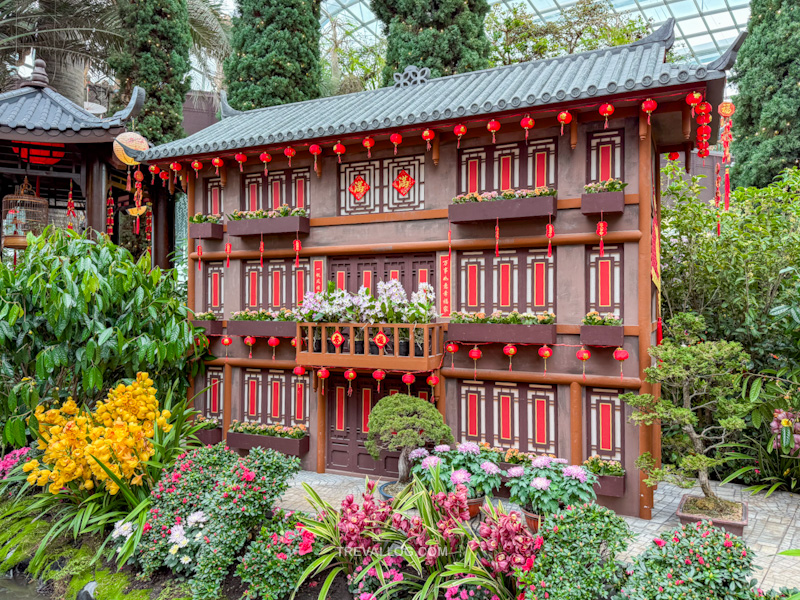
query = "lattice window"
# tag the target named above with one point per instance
(252, 394)
(368, 187)
(276, 272)
(215, 288)
(505, 415)
(300, 400)
(473, 171)
(605, 156)
(253, 192)
(275, 397)
(275, 412)
(276, 190)
(352, 273)
(506, 166)
(414, 198)
(370, 202)
(215, 197)
(605, 423)
(605, 279)
(301, 181)
(542, 163)
(539, 281)
(472, 285)
(472, 417)
(212, 403)
(300, 282)
(540, 419)
(253, 286)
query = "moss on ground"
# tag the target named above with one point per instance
(110, 586)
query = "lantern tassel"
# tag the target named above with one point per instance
(545, 367)
(648, 118)
(199, 256)
(510, 359)
(128, 185)
(606, 125)
(261, 250)
(584, 371)
(273, 352)
(349, 387)
(429, 145)
(497, 237)
(228, 248)
(251, 353)
(475, 372)
(727, 188)
(562, 129)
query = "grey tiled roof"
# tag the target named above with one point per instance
(635, 67)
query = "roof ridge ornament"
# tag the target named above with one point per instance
(411, 75)
(664, 34)
(225, 109)
(727, 60)
(39, 76)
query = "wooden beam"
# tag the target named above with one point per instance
(417, 215)
(576, 423)
(629, 383)
(253, 363)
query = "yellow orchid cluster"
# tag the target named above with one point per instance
(117, 434)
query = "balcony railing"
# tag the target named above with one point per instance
(408, 347)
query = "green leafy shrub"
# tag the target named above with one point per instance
(401, 423)
(468, 465)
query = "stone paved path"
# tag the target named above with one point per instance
(774, 522)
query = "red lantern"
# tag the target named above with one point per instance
(299, 370)
(176, 168)
(164, 175)
(396, 139)
(350, 375)
(428, 135)
(693, 99)
(338, 149)
(316, 150)
(451, 348)
(408, 379)
(459, 130)
(545, 352)
(241, 159)
(433, 381)
(323, 374)
(621, 355)
(606, 110)
(297, 245)
(265, 158)
(197, 166)
(564, 118)
(583, 355)
(475, 354)
(217, 162)
(289, 152)
(649, 106)
(293, 342)
(602, 230)
(549, 231)
(493, 126)
(154, 170)
(703, 119)
(379, 375)
(704, 108)
(226, 341)
(509, 350)
(527, 123)
(250, 341)
(702, 145)
(139, 176)
(674, 155)
(368, 143)
(273, 343)
(704, 132)
(703, 154)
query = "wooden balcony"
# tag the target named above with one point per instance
(409, 347)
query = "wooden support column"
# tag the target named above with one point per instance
(435, 149)
(441, 396)
(686, 122)
(322, 428)
(576, 423)
(95, 193)
(190, 248)
(161, 228)
(227, 374)
(573, 132)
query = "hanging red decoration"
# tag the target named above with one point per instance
(704, 119)
(250, 341)
(727, 188)
(71, 208)
(226, 341)
(704, 108)
(396, 139)
(549, 231)
(199, 257)
(297, 245)
(368, 143)
(408, 379)
(693, 99)
(197, 166)
(509, 350)
(176, 168)
(544, 353)
(323, 374)
(428, 135)
(674, 155)
(621, 355)
(564, 118)
(433, 381)
(266, 158)
(451, 348)
(293, 342)
(148, 223)
(289, 152)
(703, 154)
(493, 127)
(217, 162)
(228, 250)
(702, 145)
(379, 375)
(726, 110)
(704, 132)
(527, 124)
(241, 159)
(316, 150)
(649, 106)
(337, 339)
(338, 149)
(273, 343)
(380, 339)
(583, 355)
(154, 170)
(350, 375)
(459, 130)
(299, 370)
(138, 175)
(602, 230)
(110, 213)
(164, 175)
(497, 237)
(606, 110)
(475, 354)
(261, 251)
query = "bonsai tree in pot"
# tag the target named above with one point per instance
(698, 395)
(401, 423)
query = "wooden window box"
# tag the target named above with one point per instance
(290, 446)
(601, 202)
(263, 328)
(209, 436)
(421, 350)
(610, 485)
(206, 231)
(602, 335)
(502, 333)
(268, 226)
(211, 327)
(505, 210)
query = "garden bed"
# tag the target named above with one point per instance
(733, 520)
(268, 226)
(504, 210)
(263, 328)
(602, 335)
(506, 333)
(600, 202)
(206, 231)
(289, 446)
(211, 327)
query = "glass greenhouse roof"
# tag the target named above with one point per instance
(704, 28)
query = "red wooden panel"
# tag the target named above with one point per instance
(276, 194)
(253, 288)
(472, 285)
(541, 421)
(252, 397)
(606, 412)
(301, 192)
(444, 278)
(215, 395)
(472, 414)
(366, 280)
(472, 181)
(393, 392)
(276, 288)
(366, 408)
(605, 162)
(276, 399)
(505, 417)
(539, 285)
(318, 283)
(340, 408)
(394, 274)
(505, 284)
(341, 280)
(253, 196)
(505, 172)
(300, 401)
(215, 289)
(423, 395)
(604, 282)
(422, 275)
(541, 169)
(215, 200)
(300, 277)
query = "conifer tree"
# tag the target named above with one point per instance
(275, 58)
(766, 136)
(155, 56)
(447, 36)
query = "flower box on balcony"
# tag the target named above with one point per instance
(263, 328)
(601, 202)
(505, 210)
(610, 485)
(268, 226)
(409, 347)
(505, 333)
(205, 231)
(209, 436)
(211, 327)
(290, 446)
(602, 335)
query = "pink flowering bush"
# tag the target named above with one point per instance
(359, 523)
(276, 559)
(10, 460)
(369, 577)
(469, 591)
(467, 464)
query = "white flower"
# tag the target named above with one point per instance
(123, 529)
(177, 534)
(183, 543)
(185, 560)
(174, 549)
(196, 517)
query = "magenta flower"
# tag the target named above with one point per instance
(461, 476)
(516, 471)
(469, 448)
(659, 542)
(490, 468)
(441, 448)
(418, 454)
(575, 472)
(542, 462)
(540, 483)
(430, 461)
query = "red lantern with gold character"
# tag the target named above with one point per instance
(379, 375)
(368, 143)
(217, 162)
(350, 375)
(273, 343)
(704, 108)
(451, 348)
(606, 110)
(564, 118)
(621, 355)
(380, 339)
(265, 158)
(493, 127)
(226, 341)
(323, 374)
(475, 354)
(197, 166)
(176, 168)
(459, 130)
(396, 139)
(433, 381)
(241, 159)
(527, 123)
(339, 149)
(408, 379)
(428, 135)
(249, 341)
(602, 230)
(544, 353)
(583, 355)
(693, 99)
(154, 170)
(337, 339)
(164, 175)
(289, 152)
(316, 150)
(509, 350)
(703, 119)
(649, 106)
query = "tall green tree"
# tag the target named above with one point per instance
(275, 58)
(155, 56)
(447, 37)
(766, 135)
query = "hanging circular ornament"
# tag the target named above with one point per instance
(249, 341)
(408, 379)
(704, 119)
(339, 149)
(299, 370)
(704, 108)
(475, 354)
(509, 350)
(217, 163)
(621, 355)
(606, 110)
(459, 130)
(693, 99)
(703, 154)
(379, 375)
(368, 143)
(704, 132)
(602, 230)
(565, 118)
(197, 166)
(649, 106)
(702, 144)
(337, 339)
(396, 139)
(350, 375)
(428, 135)
(154, 170)
(176, 168)
(674, 155)
(273, 342)
(527, 124)
(493, 127)
(164, 175)
(265, 158)
(226, 341)
(316, 150)
(380, 339)
(433, 381)
(323, 373)
(583, 355)
(726, 110)
(293, 342)
(545, 352)
(451, 348)
(289, 152)
(127, 141)
(241, 159)
(138, 176)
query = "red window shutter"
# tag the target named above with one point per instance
(505, 417)
(276, 194)
(253, 196)
(301, 192)
(505, 172)
(472, 414)
(605, 162)
(252, 397)
(253, 288)
(606, 428)
(215, 395)
(541, 169)
(215, 289)
(539, 283)
(300, 401)
(541, 421)
(340, 396)
(472, 285)
(505, 284)
(366, 408)
(300, 278)
(604, 282)
(276, 399)
(276, 288)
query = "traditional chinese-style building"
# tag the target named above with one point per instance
(386, 212)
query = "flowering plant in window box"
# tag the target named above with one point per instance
(603, 197)
(242, 223)
(201, 218)
(284, 314)
(293, 441)
(610, 476)
(512, 318)
(283, 211)
(510, 328)
(294, 432)
(602, 330)
(206, 227)
(509, 194)
(263, 323)
(595, 318)
(209, 429)
(504, 206)
(205, 316)
(609, 185)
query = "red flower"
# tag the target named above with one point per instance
(281, 556)
(659, 542)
